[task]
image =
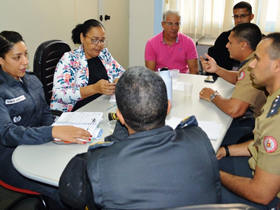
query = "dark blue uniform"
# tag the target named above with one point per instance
(25, 118)
(154, 169)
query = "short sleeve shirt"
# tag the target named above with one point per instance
(265, 149)
(246, 91)
(172, 57)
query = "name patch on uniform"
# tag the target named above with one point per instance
(15, 100)
(241, 75)
(270, 144)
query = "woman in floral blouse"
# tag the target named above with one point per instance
(85, 73)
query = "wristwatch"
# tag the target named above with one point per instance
(213, 95)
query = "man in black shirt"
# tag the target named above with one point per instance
(242, 13)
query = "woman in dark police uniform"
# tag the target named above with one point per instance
(25, 117)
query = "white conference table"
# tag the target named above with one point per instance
(46, 162)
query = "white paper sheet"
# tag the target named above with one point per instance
(211, 128)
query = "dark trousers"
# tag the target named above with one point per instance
(239, 166)
(11, 176)
(240, 130)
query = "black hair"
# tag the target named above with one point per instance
(243, 5)
(248, 32)
(274, 48)
(7, 41)
(142, 98)
(84, 28)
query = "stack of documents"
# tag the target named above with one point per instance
(86, 120)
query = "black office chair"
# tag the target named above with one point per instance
(24, 197)
(46, 57)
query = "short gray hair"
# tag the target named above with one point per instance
(169, 12)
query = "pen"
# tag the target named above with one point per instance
(92, 122)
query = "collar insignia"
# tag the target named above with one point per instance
(274, 107)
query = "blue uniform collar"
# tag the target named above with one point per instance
(149, 133)
(6, 78)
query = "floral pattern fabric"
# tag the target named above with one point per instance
(72, 73)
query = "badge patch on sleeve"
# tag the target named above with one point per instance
(241, 75)
(270, 144)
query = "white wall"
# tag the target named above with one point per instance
(131, 24)
(41, 20)
(117, 29)
(141, 28)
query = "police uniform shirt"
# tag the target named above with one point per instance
(152, 169)
(25, 117)
(265, 149)
(245, 91)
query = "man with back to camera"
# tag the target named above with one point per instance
(146, 164)
(242, 13)
(170, 48)
(246, 100)
(257, 181)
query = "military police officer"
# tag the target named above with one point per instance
(246, 100)
(263, 186)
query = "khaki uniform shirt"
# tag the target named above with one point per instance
(245, 91)
(265, 149)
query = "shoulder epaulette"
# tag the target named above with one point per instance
(100, 144)
(189, 121)
(274, 107)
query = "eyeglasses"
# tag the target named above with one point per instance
(171, 24)
(240, 16)
(97, 41)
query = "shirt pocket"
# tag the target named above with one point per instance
(17, 111)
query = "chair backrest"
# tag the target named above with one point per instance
(46, 57)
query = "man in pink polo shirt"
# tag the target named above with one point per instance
(171, 48)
